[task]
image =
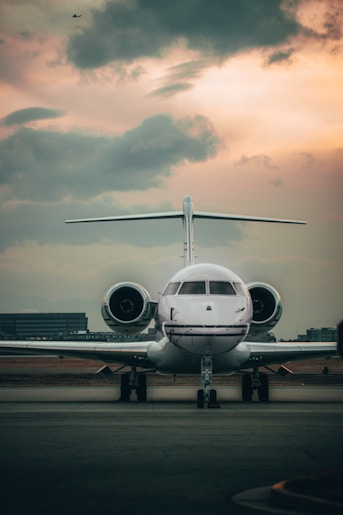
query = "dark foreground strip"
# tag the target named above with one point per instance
(318, 493)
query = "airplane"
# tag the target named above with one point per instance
(76, 16)
(207, 322)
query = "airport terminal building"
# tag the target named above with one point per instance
(41, 325)
(322, 334)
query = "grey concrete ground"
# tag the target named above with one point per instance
(166, 393)
(83, 457)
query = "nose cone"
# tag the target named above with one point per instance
(208, 326)
(205, 309)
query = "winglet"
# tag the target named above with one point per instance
(340, 338)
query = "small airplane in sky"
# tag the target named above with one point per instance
(76, 16)
(207, 321)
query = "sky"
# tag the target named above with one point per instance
(137, 103)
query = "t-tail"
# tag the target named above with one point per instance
(187, 215)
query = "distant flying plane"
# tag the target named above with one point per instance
(76, 16)
(207, 322)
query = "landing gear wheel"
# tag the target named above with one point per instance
(247, 390)
(263, 390)
(200, 398)
(213, 396)
(125, 388)
(212, 400)
(141, 388)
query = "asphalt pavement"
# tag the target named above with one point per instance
(86, 456)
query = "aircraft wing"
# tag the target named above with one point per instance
(136, 353)
(129, 353)
(277, 353)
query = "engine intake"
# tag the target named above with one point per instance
(267, 308)
(127, 308)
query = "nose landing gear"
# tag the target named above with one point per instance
(207, 395)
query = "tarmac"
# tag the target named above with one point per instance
(300, 429)
(316, 493)
(90, 455)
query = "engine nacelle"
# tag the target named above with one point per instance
(127, 308)
(267, 308)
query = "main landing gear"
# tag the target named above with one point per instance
(133, 381)
(207, 395)
(256, 382)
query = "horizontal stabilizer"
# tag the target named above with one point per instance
(187, 215)
(145, 216)
(180, 214)
(243, 218)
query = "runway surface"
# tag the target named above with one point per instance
(70, 453)
(165, 393)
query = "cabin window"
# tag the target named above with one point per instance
(193, 288)
(221, 288)
(171, 289)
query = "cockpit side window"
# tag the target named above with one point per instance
(240, 288)
(221, 288)
(171, 289)
(193, 288)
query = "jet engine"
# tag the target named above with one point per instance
(127, 308)
(267, 308)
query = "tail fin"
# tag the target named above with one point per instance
(187, 215)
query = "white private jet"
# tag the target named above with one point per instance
(204, 320)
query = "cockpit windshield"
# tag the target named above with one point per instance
(193, 288)
(204, 287)
(221, 288)
(171, 289)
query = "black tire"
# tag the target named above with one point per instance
(200, 398)
(263, 390)
(125, 388)
(247, 390)
(141, 389)
(213, 396)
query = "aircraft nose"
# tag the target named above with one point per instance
(219, 313)
(208, 313)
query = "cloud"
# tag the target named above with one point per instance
(280, 56)
(145, 28)
(307, 158)
(259, 160)
(30, 114)
(333, 22)
(277, 182)
(177, 77)
(43, 224)
(171, 89)
(48, 176)
(320, 19)
(46, 165)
